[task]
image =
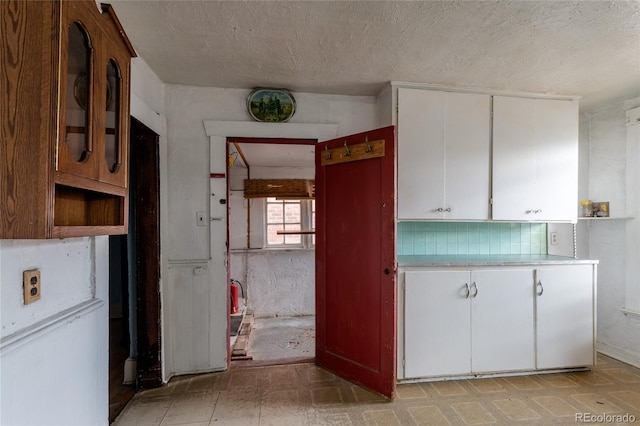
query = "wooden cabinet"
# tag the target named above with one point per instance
(65, 120)
(495, 320)
(535, 159)
(462, 322)
(443, 155)
(565, 312)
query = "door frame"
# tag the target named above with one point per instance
(218, 132)
(145, 268)
(250, 140)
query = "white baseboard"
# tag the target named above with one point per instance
(619, 354)
(130, 366)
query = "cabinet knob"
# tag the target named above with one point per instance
(541, 288)
(386, 271)
(466, 285)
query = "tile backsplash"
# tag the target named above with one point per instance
(440, 238)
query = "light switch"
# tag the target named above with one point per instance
(199, 270)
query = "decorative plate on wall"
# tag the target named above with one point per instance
(271, 105)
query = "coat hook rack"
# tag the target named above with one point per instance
(328, 157)
(344, 154)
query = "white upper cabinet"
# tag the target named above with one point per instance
(535, 159)
(443, 155)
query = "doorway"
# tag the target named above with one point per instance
(134, 262)
(271, 268)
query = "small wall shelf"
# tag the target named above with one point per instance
(606, 218)
(295, 232)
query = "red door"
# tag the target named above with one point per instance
(355, 259)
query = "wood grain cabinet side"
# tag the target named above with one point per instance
(65, 120)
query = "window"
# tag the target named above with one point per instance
(289, 215)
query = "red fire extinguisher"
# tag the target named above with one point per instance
(235, 289)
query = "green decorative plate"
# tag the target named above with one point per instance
(271, 105)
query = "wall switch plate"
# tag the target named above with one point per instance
(199, 270)
(31, 285)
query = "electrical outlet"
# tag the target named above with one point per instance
(31, 285)
(553, 236)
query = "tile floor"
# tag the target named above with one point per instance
(303, 394)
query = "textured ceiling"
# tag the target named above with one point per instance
(587, 48)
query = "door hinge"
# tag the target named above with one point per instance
(397, 108)
(402, 362)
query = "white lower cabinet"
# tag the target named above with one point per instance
(502, 328)
(437, 323)
(459, 322)
(565, 314)
(482, 321)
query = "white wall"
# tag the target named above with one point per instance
(603, 133)
(190, 161)
(55, 350)
(277, 282)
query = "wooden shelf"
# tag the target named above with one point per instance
(606, 218)
(295, 232)
(289, 188)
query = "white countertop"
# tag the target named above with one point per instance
(484, 260)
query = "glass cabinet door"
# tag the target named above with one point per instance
(78, 93)
(114, 127)
(76, 141)
(111, 137)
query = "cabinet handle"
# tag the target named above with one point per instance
(475, 294)
(538, 211)
(439, 209)
(466, 285)
(541, 288)
(448, 209)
